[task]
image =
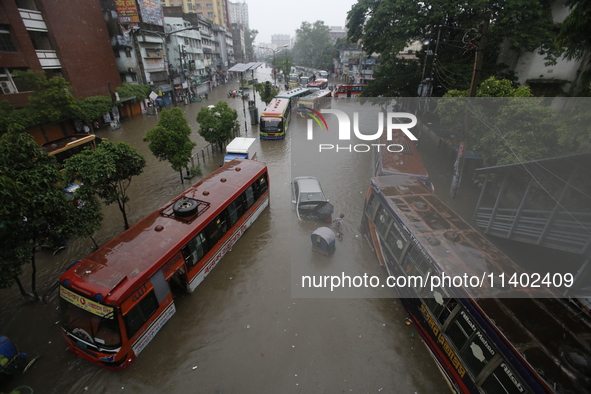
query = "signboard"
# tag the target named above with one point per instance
(87, 304)
(127, 11)
(153, 96)
(151, 12)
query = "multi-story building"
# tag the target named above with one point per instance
(64, 38)
(280, 40)
(216, 45)
(216, 11)
(337, 32)
(239, 13)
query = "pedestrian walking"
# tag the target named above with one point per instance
(337, 224)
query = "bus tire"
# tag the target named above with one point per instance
(185, 207)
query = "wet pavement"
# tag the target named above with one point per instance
(242, 330)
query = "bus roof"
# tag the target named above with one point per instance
(408, 161)
(314, 95)
(276, 107)
(294, 93)
(453, 245)
(68, 142)
(137, 253)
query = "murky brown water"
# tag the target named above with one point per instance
(242, 330)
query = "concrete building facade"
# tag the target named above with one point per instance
(66, 38)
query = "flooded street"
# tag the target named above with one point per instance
(249, 327)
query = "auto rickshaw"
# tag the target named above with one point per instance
(323, 241)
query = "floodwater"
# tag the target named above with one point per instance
(248, 327)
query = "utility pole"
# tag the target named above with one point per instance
(478, 59)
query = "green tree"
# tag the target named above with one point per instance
(34, 208)
(249, 37)
(388, 26)
(507, 124)
(169, 140)
(266, 91)
(108, 171)
(574, 37)
(15, 120)
(138, 92)
(91, 108)
(312, 47)
(218, 123)
(52, 98)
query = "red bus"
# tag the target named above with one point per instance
(348, 90)
(275, 119)
(114, 301)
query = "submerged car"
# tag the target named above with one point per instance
(309, 199)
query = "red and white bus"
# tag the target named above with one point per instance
(114, 301)
(275, 119)
(316, 101)
(348, 90)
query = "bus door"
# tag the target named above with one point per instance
(349, 92)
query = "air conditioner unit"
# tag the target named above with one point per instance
(7, 87)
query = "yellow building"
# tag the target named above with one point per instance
(214, 10)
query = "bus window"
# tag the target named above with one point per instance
(503, 380)
(140, 313)
(461, 329)
(232, 213)
(382, 221)
(477, 353)
(249, 197)
(396, 240)
(195, 250)
(436, 301)
(373, 205)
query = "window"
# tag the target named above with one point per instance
(503, 380)
(372, 206)
(198, 6)
(140, 313)
(210, 14)
(190, 6)
(232, 214)
(382, 221)
(209, 5)
(477, 353)
(195, 250)
(249, 193)
(6, 44)
(127, 52)
(461, 329)
(396, 240)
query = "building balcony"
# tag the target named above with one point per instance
(33, 20)
(48, 59)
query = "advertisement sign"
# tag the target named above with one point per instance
(127, 11)
(151, 12)
(86, 303)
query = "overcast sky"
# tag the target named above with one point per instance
(284, 17)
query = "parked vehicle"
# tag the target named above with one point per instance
(240, 148)
(309, 199)
(323, 241)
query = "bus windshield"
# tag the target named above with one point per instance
(99, 331)
(272, 124)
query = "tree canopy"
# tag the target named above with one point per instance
(107, 171)
(507, 124)
(169, 140)
(266, 91)
(218, 124)
(388, 26)
(312, 47)
(34, 208)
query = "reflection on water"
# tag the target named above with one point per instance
(242, 331)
